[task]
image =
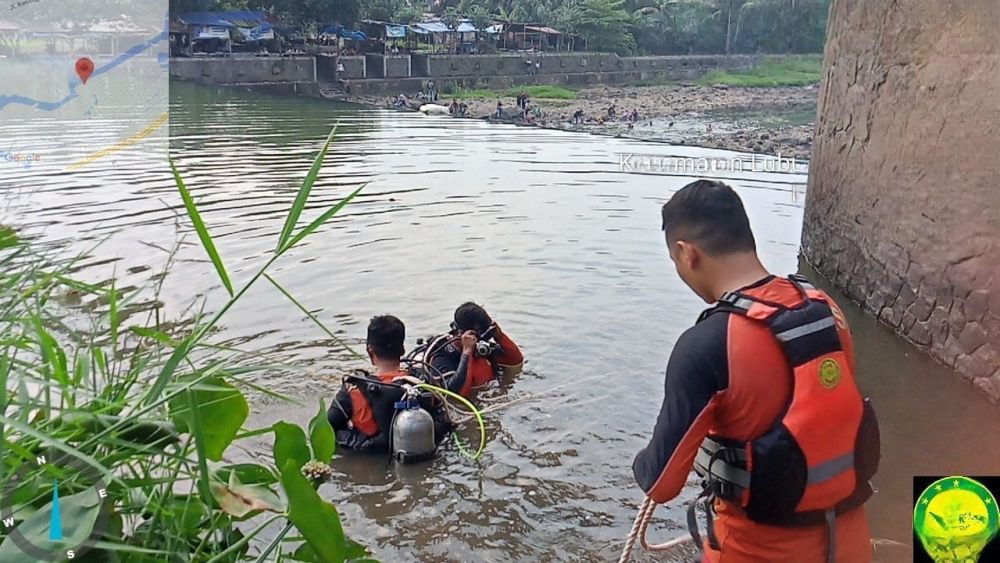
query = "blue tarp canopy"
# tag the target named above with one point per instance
(465, 27)
(231, 18)
(341, 31)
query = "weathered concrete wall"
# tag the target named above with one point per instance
(397, 66)
(464, 70)
(245, 70)
(903, 208)
(355, 66)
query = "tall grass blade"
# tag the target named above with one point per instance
(303, 196)
(322, 219)
(201, 229)
(313, 318)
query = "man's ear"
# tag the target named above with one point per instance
(688, 254)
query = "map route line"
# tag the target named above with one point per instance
(6, 100)
(124, 144)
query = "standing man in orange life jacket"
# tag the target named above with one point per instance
(761, 399)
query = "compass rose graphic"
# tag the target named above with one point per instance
(74, 523)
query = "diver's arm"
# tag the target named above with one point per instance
(510, 355)
(457, 381)
(339, 413)
(696, 373)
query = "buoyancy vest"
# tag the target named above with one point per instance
(379, 396)
(382, 396)
(816, 460)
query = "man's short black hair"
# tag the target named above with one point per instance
(470, 316)
(386, 334)
(711, 215)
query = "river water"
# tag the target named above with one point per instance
(556, 233)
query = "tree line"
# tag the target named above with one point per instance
(622, 26)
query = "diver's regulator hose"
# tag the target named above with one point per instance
(473, 409)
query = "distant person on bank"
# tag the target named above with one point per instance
(728, 399)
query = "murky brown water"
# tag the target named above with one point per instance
(543, 228)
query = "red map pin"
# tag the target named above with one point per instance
(84, 68)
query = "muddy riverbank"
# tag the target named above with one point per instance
(761, 120)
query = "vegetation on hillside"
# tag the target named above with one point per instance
(623, 26)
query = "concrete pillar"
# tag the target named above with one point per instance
(903, 204)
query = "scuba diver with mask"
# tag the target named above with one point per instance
(368, 408)
(474, 353)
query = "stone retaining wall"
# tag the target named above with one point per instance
(243, 70)
(903, 204)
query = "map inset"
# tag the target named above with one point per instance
(81, 82)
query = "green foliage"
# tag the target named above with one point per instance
(604, 25)
(217, 401)
(321, 437)
(290, 445)
(152, 406)
(799, 71)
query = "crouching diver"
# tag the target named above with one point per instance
(365, 413)
(761, 398)
(475, 352)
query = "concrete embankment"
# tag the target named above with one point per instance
(370, 75)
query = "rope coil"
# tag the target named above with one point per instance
(638, 532)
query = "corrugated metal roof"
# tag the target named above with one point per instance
(543, 29)
(433, 27)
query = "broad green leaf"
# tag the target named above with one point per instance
(79, 514)
(249, 473)
(303, 195)
(201, 229)
(321, 437)
(290, 445)
(221, 410)
(315, 518)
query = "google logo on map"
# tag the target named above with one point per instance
(21, 157)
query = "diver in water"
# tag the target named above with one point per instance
(363, 411)
(475, 352)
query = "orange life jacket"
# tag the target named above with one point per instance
(368, 412)
(816, 460)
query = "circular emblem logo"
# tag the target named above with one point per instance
(955, 518)
(829, 373)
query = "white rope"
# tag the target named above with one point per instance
(638, 531)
